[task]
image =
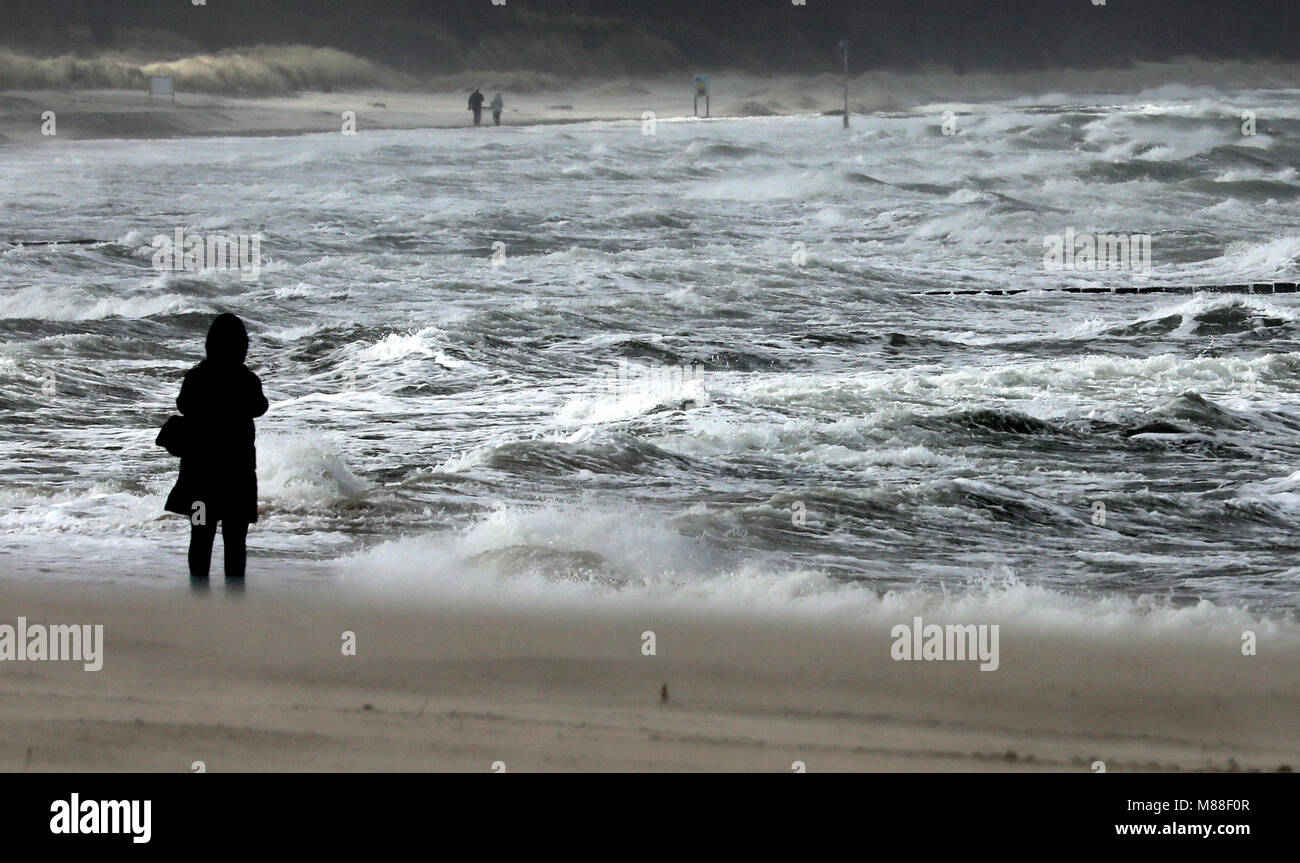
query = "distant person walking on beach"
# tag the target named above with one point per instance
(497, 104)
(218, 477)
(476, 105)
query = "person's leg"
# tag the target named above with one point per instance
(496, 118)
(234, 536)
(201, 536)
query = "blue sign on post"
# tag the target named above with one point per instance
(702, 92)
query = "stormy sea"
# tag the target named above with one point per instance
(706, 363)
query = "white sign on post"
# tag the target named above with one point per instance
(162, 85)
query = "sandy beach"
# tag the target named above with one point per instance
(108, 113)
(259, 682)
(127, 114)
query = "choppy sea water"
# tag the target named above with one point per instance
(702, 369)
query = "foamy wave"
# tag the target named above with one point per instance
(1078, 382)
(1270, 259)
(1243, 175)
(303, 472)
(1282, 493)
(70, 304)
(102, 509)
(635, 397)
(1193, 312)
(1122, 138)
(790, 185)
(566, 557)
(399, 346)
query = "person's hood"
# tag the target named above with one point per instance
(227, 341)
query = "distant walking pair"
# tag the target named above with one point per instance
(476, 105)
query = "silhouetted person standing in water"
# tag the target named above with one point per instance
(218, 479)
(476, 105)
(497, 104)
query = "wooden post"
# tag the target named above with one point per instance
(844, 43)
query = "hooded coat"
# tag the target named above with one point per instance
(219, 399)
